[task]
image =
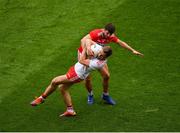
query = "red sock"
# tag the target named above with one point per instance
(44, 96)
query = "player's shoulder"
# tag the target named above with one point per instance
(95, 33)
(113, 38)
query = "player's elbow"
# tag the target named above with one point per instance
(85, 40)
(82, 40)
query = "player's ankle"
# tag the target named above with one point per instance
(70, 108)
(43, 96)
(90, 93)
(105, 93)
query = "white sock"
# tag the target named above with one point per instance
(105, 93)
(90, 93)
(42, 98)
(70, 109)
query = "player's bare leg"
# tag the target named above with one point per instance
(67, 100)
(106, 76)
(51, 88)
(88, 85)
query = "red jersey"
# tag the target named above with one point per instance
(96, 37)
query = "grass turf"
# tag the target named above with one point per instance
(38, 41)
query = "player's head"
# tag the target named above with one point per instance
(109, 30)
(104, 53)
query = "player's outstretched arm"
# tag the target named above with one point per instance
(125, 45)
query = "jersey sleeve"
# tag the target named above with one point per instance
(94, 35)
(114, 39)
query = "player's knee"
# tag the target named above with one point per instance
(106, 76)
(88, 80)
(54, 82)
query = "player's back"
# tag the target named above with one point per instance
(83, 71)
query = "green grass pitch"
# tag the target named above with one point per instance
(39, 40)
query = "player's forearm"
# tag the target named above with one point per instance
(83, 58)
(125, 45)
(83, 43)
(84, 62)
(83, 55)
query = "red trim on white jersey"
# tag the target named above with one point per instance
(72, 75)
(80, 49)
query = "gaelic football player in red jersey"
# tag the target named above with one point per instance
(102, 37)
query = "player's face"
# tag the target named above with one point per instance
(106, 34)
(101, 55)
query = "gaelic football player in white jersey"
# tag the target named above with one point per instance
(76, 73)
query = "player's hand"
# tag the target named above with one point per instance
(137, 53)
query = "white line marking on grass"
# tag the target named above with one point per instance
(151, 110)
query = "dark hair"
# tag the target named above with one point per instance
(110, 27)
(107, 50)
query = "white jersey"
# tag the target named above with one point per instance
(83, 71)
(96, 48)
